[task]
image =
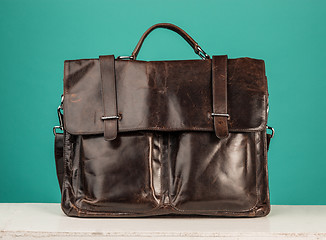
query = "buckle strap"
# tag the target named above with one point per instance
(109, 96)
(219, 87)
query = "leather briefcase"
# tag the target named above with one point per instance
(146, 138)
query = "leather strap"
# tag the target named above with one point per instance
(58, 155)
(109, 96)
(219, 87)
(269, 137)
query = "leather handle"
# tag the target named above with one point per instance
(198, 50)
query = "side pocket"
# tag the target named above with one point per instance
(211, 175)
(115, 176)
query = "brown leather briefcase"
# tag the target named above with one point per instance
(146, 138)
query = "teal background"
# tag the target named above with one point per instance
(38, 35)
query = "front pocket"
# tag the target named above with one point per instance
(115, 174)
(208, 174)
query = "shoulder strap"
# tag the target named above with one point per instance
(219, 87)
(58, 156)
(109, 96)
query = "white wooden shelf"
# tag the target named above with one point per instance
(47, 221)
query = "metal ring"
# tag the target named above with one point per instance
(272, 129)
(60, 116)
(55, 129)
(202, 53)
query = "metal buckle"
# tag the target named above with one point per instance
(272, 129)
(110, 117)
(125, 57)
(221, 115)
(202, 53)
(60, 117)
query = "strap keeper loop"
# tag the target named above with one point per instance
(221, 115)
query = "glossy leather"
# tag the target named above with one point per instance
(165, 157)
(151, 173)
(165, 95)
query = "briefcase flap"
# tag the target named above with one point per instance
(164, 95)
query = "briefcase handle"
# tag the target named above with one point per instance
(198, 50)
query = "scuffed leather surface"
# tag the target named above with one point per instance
(154, 173)
(164, 95)
(166, 158)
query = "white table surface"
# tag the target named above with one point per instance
(47, 221)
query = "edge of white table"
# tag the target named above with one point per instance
(46, 220)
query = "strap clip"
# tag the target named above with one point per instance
(272, 129)
(201, 53)
(60, 117)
